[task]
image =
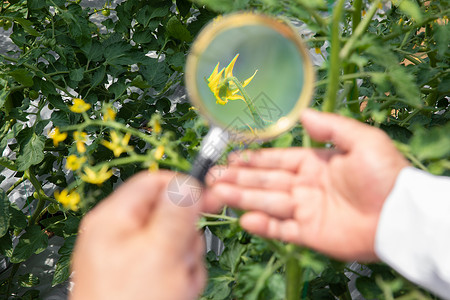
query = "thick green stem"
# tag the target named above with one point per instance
(359, 31)
(293, 275)
(17, 183)
(334, 62)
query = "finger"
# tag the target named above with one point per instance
(255, 178)
(344, 132)
(287, 159)
(174, 221)
(264, 225)
(275, 203)
(130, 206)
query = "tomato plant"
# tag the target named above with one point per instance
(85, 105)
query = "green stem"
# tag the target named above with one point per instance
(354, 93)
(17, 183)
(359, 31)
(334, 62)
(29, 174)
(293, 275)
(256, 117)
(14, 269)
(224, 217)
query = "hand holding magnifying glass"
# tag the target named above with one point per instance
(249, 75)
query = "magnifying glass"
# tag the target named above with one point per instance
(250, 76)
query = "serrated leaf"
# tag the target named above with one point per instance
(31, 149)
(4, 213)
(33, 241)
(98, 76)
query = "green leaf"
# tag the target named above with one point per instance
(62, 271)
(4, 213)
(431, 144)
(18, 218)
(442, 37)
(28, 280)
(219, 282)
(76, 74)
(405, 86)
(27, 26)
(22, 76)
(6, 247)
(98, 76)
(283, 141)
(409, 8)
(368, 288)
(34, 240)
(31, 149)
(231, 256)
(178, 30)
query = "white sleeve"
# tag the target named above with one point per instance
(413, 234)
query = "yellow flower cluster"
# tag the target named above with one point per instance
(118, 144)
(159, 152)
(68, 199)
(79, 106)
(109, 114)
(57, 136)
(90, 176)
(74, 162)
(80, 140)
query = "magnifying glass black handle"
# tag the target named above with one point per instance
(212, 148)
(201, 167)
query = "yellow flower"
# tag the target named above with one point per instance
(153, 167)
(317, 49)
(73, 162)
(221, 86)
(57, 136)
(159, 152)
(80, 138)
(109, 115)
(93, 177)
(118, 145)
(68, 200)
(156, 126)
(79, 106)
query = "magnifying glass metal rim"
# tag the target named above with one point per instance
(227, 22)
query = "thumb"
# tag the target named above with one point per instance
(344, 132)
(177, 213)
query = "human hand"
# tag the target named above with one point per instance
(137, 244)
(326, 199)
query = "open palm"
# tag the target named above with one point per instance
(326, 199)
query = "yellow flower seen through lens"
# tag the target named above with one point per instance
(222, 87)
(68, 200)
(90, 176)
(118, 144)
(80, 139)
(73, 162)
(79, 106)
(159, 152)
(57, 136)
(318, 51)
(157, 126)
